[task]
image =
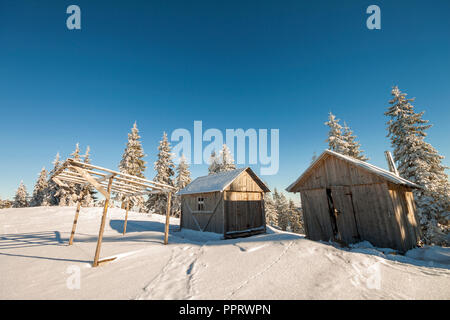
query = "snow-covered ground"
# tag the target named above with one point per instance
(37, 263)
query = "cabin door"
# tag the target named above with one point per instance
(341, 207)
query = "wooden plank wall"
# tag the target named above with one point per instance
(210, 199)
(243, 211)
(346, 220)
(336, 172)
(317, 215)
(244, 183)
(404, 208)
(375, 217)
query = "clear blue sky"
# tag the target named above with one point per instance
(232, 64)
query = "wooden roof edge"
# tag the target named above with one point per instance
(386, 175)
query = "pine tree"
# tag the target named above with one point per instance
(165, 170)
(336, 141)
(271, 213)
(55, 193)
(353, 147)
(182, 180)
(88, 193)
(20, 199)
(40, 190)
(214, 163)
(226, 159)
(282, 209)
(75, 189)
(132, 163)
(132, 160)
(295, 218)
(419, 162)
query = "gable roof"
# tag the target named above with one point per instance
(219, 182)
(385, 174)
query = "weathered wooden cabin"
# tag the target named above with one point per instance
(351, 200)
(230, 203)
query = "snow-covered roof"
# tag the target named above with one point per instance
(219, 182)
(367, 166)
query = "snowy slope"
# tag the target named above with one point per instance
(36, 263)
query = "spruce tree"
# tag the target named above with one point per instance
(40, 191)
(21, 197)
(182, 179)
(282, 209)
(133, 163)
(55, 192)
(75, 189)
(214, 163)
(88, 192)
(271, 213)
(226, 159)
(295, 218)
(165, 170)
(353, 147)
(336, 141)
(420, 163)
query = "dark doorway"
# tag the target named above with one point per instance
(333, 213)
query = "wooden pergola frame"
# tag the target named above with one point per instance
(106, 181)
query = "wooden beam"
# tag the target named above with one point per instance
(75, 220)
(102, 225)
(126, 217)
(60, 183)
(166, 231)
(120, 174)
(94, 182)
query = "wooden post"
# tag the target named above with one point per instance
(126, 216)
(166, 232)
(74, 227)
(102, 225)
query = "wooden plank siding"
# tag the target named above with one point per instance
(367, 206)
(315, 208)
(190, 216)
(239, 207)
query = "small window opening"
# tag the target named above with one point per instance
(201, 204)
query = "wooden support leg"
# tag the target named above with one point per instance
(102, 225)
(75, 220)
(166, 232)
(126, 216)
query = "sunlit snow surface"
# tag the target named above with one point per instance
(37, 263)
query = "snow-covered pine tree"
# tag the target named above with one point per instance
(20, 199)
(40, 191)
(295, 218)
(133, 163)
(165, 170)
(226, 159)
(419, 162)
(89, 192)
(353, 146)
(336, 141)
(75, 189)
(282, 209)
(55, 193)
(214, 163)
(182, 179)
(271, 212)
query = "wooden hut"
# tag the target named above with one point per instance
(230, 203)
(351, 200)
